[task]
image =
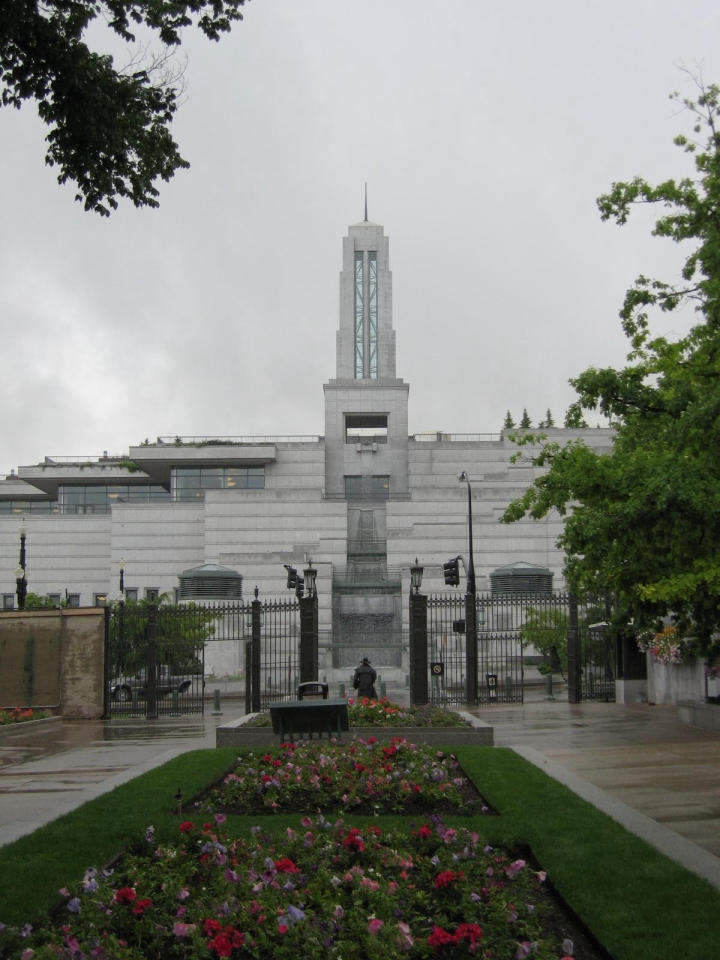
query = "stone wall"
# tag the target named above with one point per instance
(54, 659)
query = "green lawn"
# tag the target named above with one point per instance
(638, 903)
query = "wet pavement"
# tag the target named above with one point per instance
(640, 763)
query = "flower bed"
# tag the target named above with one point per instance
(325, 889)
(368, 776)
(18, 715)
(383, 718)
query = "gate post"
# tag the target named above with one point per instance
(471, 685)
(573, 650)
(309, 638)
(255, 655)
(248, 676)
(151, 707)
(418, 650)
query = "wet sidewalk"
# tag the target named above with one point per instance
(639, 763)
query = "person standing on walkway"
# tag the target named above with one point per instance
(364, 680)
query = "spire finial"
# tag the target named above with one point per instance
(366, 219)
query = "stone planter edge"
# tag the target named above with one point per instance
(237, 733)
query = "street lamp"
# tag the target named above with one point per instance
(310, 575)
(463, 478)
(122, 579)
(416, 575)
(20, 572)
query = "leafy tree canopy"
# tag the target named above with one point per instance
(109, 127)
(645, 517)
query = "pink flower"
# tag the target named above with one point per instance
(181, 930)
(405, 939)
(375, 925)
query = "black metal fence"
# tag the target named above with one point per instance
(566, 635)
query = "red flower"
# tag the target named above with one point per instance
(447, 878)
(286, 865)
(125, 895)
(469, 931)
(354, 841)
(441, 938)
(211, 926)
(186, 826)
(141, 906)
(424, 832)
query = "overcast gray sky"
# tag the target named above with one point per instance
(485, 131)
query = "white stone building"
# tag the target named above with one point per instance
(362, 502)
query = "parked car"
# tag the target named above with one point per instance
(124, 688)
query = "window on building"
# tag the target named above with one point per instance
(152, 594)
(131, 593)
(366, 428)
(367, 487)
(366, 315)
(54, 598)
(99, 498)
(28, 506)
(8, 601)
(73, 599)
(100, 599)
(190, 483)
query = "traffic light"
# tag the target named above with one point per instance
(294, 580)
(451, 571)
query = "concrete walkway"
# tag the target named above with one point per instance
(639, 763)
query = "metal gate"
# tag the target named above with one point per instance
(499, 652)
(272, 653)
(569, 635)
(156, 660)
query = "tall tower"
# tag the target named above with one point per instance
(366, 431)
(366, 452)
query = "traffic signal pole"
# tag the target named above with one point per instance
(471, 685)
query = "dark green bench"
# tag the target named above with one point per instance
(293, 719)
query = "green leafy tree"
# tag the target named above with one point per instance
(508, 423)
(645, 518)
(547, 631)
(109, 127)
(574, 417)
(525, 423)
(181, 632)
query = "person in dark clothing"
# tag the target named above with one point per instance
(364, 680)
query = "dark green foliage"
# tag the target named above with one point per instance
(645, 523)
(109, 129)
(525, 423)
(509, 422)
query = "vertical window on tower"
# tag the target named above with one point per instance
(372, 314)
(359, 315)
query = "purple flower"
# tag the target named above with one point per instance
(74, 905)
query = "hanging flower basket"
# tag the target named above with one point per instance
(666, 646)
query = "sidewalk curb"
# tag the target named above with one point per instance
(677, 848)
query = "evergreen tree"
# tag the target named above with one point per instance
(509, 422)
(525, 423)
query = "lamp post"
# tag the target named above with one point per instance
(463, 478)
(418, 639)
(122, 579)
(20, 572)
(471, 686)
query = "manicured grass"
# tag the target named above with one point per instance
(638, 903)
(35, 867)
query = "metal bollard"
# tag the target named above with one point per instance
(217, 712)
(548, 687)
(175, 709)
(341, 690)
(383, 688)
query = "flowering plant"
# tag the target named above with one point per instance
(365, 775)
(20, 715)
(370, 712)
(665, 646)
(323, 889)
